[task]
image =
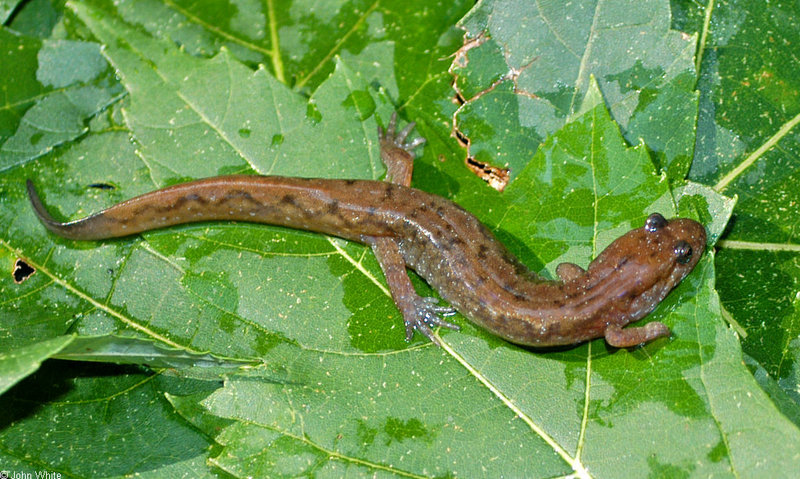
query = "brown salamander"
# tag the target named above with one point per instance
(445, 244)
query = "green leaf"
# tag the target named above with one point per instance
(7, 8)
(36, 18)
(18, 363)
(122, 350)
(71, 417)
(747, 147)
(72, 83)
(18, 81)
(528, 64)
(335, 389)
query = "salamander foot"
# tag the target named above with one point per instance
(391, 138)
(423, 314)
(630, 337)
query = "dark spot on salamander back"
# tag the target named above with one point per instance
(415, 213)
(178, 204)
(388, 191)
(333, 207)
(455, 241)
(237, 194)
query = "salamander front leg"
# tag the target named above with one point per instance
(419, 313)
(630, 337)
(396, 153)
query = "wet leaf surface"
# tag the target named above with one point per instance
(747, 147)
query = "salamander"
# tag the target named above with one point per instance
(446, 245)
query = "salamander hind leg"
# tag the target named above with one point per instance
(396, 153)
(420, 314)
(630, 337)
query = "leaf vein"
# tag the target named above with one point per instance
(130, 322)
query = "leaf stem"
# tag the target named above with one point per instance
(727, 316)
(216, 30)
(757, 246)
(130, 322)
(587, 396)
(701, 47)
(301, 83)
(277, 62)
(783, 131)
(574, 463)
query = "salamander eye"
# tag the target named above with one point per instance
(654, 223)
(683, 251)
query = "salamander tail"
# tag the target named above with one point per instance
(80, 229)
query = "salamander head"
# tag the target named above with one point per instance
(648, 262)
(679, 242)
